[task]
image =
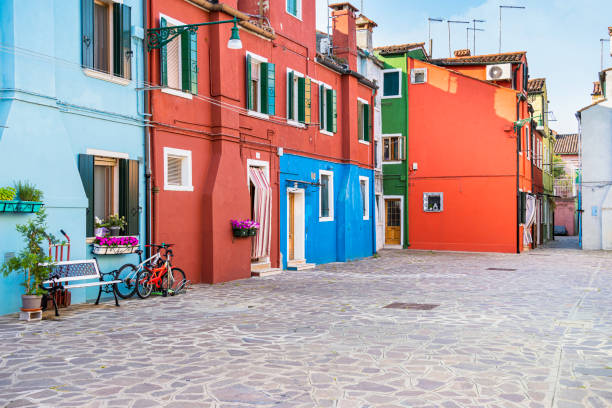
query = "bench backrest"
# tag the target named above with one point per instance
(74, 270)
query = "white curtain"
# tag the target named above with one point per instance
(530, 218)
(263, 212)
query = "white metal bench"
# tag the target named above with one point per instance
(79, 271)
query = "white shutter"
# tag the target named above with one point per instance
(175, 171)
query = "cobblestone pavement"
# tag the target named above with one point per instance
(535, 332)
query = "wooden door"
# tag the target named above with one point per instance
(291, 227)
(393, 222)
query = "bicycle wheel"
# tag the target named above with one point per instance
(143, 284)
(127, 273)
(176, 280)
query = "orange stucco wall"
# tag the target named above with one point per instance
(461, 137)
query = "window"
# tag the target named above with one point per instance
(527, 141)
(326, 195)
(177, 170)
(328, 114)
(106, 37)
(364, 187)
(362, 65)
(363, 109)
(294, 7)
(260, 85)
(392, 83)
(179, 60)
(433, 202)
(418, 75)
(111, 185)
(393, 148)
(298, 98)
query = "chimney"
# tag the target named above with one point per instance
(364, 33)
(344, 33)
(462, 53)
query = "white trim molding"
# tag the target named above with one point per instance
(384, 71)
(366, 198)
(107, 153)
(330, 196)
(186, 169)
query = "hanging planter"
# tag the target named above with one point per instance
(23, 198)
(244, 228)
(16, 206)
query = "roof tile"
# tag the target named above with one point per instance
(482, 59)
(567, 144)
(536, 85)
(398, 49)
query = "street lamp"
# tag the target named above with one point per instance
(159, 37)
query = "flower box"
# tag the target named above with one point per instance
(16, 206)
(115, 245)
(238, 232)
(244, 228)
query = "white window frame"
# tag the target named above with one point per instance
(360, 103)
(166, 89)
(186, 169)
(324, 130)
(366, 199)
(413, 73)
(391, 136)
(296, 104)
(254, 112)
(399, 87)
(330, 197)
(527, 142)
(441, 202)
(298, 6)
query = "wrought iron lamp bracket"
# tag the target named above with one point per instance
(160, 36)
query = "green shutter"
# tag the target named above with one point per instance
(366, 122)
(122, 40)
(249, 97)
(321, 103)
(87, 33)
(290, 113)
(163, 63)
(263, 87)
(271, 89)
(335, 112)
(129, 206)
(301, 100)
(189, 62)
(86, 170)
(307, 101)
(329, 123)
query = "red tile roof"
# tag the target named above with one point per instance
(596, 89)
(536, 85)
(567, 144)
(482, 59)
(398, 49)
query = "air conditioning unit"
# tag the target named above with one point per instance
(499, 72)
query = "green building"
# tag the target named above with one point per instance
(538, 99)
(394, 111)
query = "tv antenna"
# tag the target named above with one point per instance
(500, 21)
(429, 20)
(449, 33)
(474, 29)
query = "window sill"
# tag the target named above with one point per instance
(366, 218)
(365, 142)
(90, 240)
(176, 92)
(178, 188)
(325, 132)
(106, 77)
(259, 115)
(296, 124)
(294, 16)
(326, 219)
(392, 162)
(391, 97)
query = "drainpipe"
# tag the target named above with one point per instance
(407, 115)
(518, 192)
(147, 135)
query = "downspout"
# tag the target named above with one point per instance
(580, 211)
(406, 198)
(147, 135)
(518, 190)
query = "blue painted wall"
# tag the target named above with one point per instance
(345, 238)
(51, 112)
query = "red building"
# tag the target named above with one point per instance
(222, 118)
(470, 154)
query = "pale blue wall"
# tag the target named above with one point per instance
(52, 112)
(348, 236)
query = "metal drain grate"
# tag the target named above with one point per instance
(411, 306)
(501, 269)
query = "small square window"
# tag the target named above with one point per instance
(418, 75)
(433, 202)
(393, 148)
(177, 170)
(392, 83)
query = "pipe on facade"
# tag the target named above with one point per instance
(147, 133)
(520, 97)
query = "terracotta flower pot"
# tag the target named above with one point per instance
(31, 302)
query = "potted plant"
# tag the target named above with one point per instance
(244, 228)
(100, 229)
(115, 245)
(30, 197)
(31, 261)
(7, 197)
(115, 223)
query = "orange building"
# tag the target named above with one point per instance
(470, 154)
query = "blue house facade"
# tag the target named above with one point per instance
(326, 211)
(71, 122)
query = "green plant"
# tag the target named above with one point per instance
(7, 193)
(116, 221)
(29, 261)
(27, 191)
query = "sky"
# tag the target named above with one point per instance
(561, 37)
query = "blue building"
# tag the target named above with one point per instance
(71, 121)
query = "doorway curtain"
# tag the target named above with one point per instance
(530, 218)
(262, 208)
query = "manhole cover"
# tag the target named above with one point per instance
(501, 269)
(411, 306)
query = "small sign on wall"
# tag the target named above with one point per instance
(433, 202)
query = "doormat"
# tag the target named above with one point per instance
(501, 269)
(411, 306)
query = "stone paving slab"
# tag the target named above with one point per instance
(539, 336)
